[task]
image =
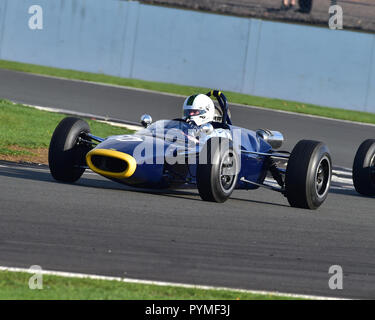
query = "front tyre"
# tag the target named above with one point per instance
(364, 168)
(308, 175)
(65, 155)
(217, 170)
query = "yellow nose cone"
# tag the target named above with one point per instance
(111, 163)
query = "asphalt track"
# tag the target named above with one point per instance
(253, 241)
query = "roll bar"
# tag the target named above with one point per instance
(220, 97)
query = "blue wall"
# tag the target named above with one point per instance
(302, 63)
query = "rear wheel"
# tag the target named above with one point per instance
(65, 155)
(364, 168)
(308, 174)
(217, 170)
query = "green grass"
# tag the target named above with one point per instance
(29, 128)
(269, 103)
(14, 285)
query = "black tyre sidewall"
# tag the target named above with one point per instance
(63, 154)
(313, 199)
(301, 174)
(361, 168)
(208, 174)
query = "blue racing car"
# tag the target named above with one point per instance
(202, 148)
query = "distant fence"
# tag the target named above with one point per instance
(133, 40)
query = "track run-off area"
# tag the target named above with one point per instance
(255, 240)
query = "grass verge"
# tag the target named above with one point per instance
(234, 97)
(14, 285)
(25, 132)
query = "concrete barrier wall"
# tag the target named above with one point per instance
(128, 39)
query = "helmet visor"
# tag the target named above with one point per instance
(193, 113)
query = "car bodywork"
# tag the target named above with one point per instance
(217, 157)
(154, 170)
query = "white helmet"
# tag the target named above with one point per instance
(199, 108)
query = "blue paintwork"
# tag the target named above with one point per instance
(151, 164)
(252, 165)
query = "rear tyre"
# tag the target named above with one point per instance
(364, 168)
(308, 174)
(65, 155)
(217, 170)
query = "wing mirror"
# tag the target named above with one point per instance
(274, 138)
(146, 120)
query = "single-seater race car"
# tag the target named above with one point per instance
(202, 149)
(364, 168)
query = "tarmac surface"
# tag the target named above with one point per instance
(255, 240)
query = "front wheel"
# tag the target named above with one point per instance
(217, 170)
(308, 174)
(364, 168)
(66, 156)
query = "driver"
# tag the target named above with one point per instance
(198, 109)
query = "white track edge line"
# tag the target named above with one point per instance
(162, 283)
(82, 114)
